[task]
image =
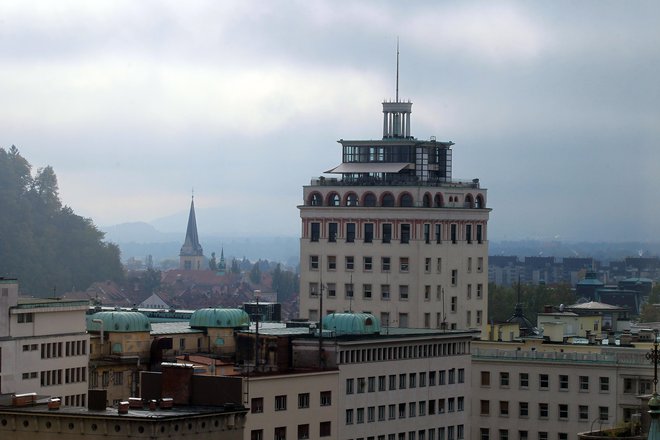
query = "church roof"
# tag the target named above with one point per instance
(191, 246)
(219, 318)
(119, 321)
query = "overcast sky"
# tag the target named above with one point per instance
(554, 105)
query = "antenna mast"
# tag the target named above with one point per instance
(397, 69)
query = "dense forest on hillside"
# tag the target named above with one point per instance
(49, 248)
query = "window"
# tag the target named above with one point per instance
(461, 375)
(504, 408)
(421, 406)
(326, 398)
(368, 232)
(603, 413)
(543, 410)
(469, 264)
(405, 233)
(451, 405)
(385, 319)
(451, 376)
(480, 264)
(257, 434)
(522, 435)
(385, 263)
(431, 407)
(485, 407)
(359, 415)
(280, 403)
(332, 232)
(427, 233)
(422, 379)
(427, 265)
(332, 262)
(523, 409)
(438, 233)
(349, 416)
(392, 380)
(453, 233)
(313, 262)
(361, 385)
(441, 377)
(402, 381)
(313, 289)
(316, 231)
(427, 320)
(371, 384)
(460, 432)
(381, 383)
(479, 234)
(403, 264)
(563, 382)
(412, 409)
(366, 291)
(543, 435)
(454, 304)
(325, 429)
(349, 263)
(583, 412)
(468, 234)
(480, 291)
(332, 290)
(524, 380)
(441, 406)
(348, 288)
(381, 413)
(387, 232)
(303, 431)
(303, 400)
(367, 263)
(584, 383)
(460, 403)
(563, 411)
(438, 265)
(412, 380)
(469, 291)
(349, 386)
(504, 434)
(504, 379)
(604, 384)
(562, 436)
(403, 292)
(350, 232)
(280, 433)
(391, 411)
(543, 381)
(402, 410)
(484, 434)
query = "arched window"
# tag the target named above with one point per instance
(315, 199)
(479, 203)
(469, 201)
(333, 199)
(351, 199)
(387, 200)
(405, 200)
(438, 202)
(369, 199)
(426, 201)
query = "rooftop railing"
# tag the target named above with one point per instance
(413, 181)
(624, 358)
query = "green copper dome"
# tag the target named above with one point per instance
(119, 321)
(219, 318)
(351, 323)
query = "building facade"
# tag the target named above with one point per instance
(395, 235)
(191, 256)
(534, 391)
(43, 346)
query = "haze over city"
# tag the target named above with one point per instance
(552, 105)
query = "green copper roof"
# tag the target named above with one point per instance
(351, 323)
(219, 318)
(119, 321)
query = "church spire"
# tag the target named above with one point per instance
(191, 254)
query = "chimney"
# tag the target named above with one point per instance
(97, 399)
(177, 382)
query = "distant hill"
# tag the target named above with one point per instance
(139, 239)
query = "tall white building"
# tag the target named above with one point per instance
(395, 235)
(43, 346)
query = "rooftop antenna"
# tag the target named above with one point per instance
(397, 69)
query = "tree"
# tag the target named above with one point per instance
(213, 263)
(46, 246)
(235, 268)
(255, 274)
